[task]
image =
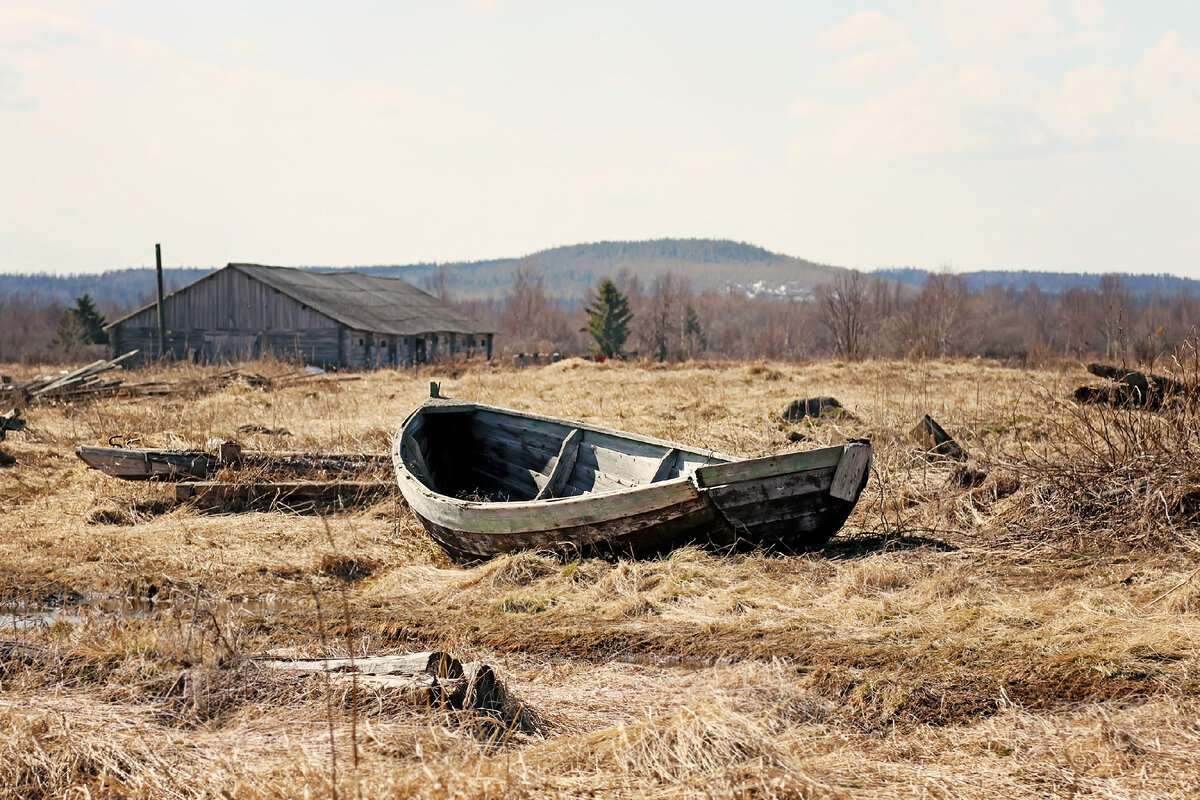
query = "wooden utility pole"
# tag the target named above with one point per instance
(162, 314)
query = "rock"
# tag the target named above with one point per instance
(812, 407)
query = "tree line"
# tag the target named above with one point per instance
(854, 316)
(663, 318)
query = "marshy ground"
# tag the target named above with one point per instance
(1025, 625)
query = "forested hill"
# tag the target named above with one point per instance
(118, 288)
(568, 272)
(1053, 282)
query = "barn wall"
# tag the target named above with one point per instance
(230, 300)
(316, 346)
(230, 316)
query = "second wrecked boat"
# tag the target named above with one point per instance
(485, 481)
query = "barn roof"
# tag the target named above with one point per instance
(372, 303)
(366, 302)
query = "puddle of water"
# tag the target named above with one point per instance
(38, 615)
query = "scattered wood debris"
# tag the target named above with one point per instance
(91, 382)
(1131, 388)
(813, 407)
(430, 678)
(82, 382)
(933, 437)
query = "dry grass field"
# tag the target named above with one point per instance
(1025, 626)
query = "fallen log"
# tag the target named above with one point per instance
(430, 678)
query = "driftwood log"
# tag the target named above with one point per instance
(933, 437)
(430, 678)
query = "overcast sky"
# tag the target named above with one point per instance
(1015, 134)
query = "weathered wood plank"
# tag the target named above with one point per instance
(848, 478)
(757, 468)
(586, 478)
(541, 515)
(563, 466)
(763, 492)
(638, 468)
(666, 465)
(694, 521)
(430, 662)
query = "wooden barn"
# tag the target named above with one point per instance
(330, 319)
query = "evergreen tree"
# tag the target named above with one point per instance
(90, 320)
(608, 320)
(694, 338)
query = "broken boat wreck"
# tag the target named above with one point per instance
(485, 481)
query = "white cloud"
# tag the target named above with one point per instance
(888, 62)
(942, 112)
(1167, 81)
(1006, 31)
(1093, 105)
(241, 46)
(946, 112)
(862, 28)
(1088, 12)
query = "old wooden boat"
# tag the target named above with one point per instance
(487, 480)
(137, 464)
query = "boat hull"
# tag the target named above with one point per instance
(794, 502)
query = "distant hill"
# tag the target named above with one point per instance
(1052, 282)
(568, 272)
(122, 288)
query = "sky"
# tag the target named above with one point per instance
(969, 134)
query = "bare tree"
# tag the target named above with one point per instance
(532, 321)
(1114, 310)
(664, 316)
(1079, 310)
(935, 323)
(844, 308)
(438, 282)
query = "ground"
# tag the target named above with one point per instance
(1024, 625)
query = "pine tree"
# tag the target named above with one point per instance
(694, 338)
(608, 320)
(90, 320)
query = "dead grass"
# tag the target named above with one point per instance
(1023, 626)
